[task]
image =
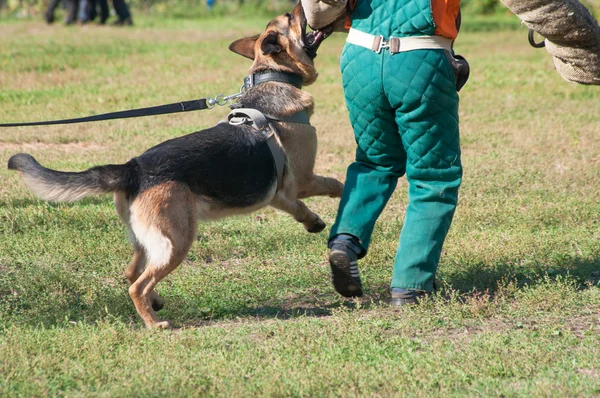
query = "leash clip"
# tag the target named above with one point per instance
(220, 100)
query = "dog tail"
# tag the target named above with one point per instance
(63, 186)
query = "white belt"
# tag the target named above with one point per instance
(397, 44)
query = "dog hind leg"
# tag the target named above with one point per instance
(164, 222)
(135, 268)
(301, 213)
(138, 262)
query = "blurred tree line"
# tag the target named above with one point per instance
(198, 8)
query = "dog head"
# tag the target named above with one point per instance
(284, 46)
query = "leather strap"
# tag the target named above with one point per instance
(261, 123)
(397, 44)
(298, 117)
(273, 76)
(184, 106)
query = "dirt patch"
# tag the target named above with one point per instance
(588, 372)
(584, 324)
(69, 147)
(29, 80)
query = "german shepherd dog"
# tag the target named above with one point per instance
(221, 171)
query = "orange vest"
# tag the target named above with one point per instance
(445, 13)
(445, 16)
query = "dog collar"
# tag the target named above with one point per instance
(272, 76)
(298, 117)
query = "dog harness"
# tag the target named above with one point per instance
(260, 122)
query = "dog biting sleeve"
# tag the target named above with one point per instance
(320, 13)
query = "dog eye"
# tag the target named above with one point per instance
(290, 16)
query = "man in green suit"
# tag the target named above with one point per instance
(400, 82)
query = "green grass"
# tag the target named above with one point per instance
(518, 309)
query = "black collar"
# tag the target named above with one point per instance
(272, 76)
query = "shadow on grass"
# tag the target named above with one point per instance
(264, 312)
(482, 277)
(41, 310)
(294, 307)
(467, 281)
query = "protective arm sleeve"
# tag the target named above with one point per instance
(320, 13)
(572, 35)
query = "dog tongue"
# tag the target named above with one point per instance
(318, 36)
(314, 38)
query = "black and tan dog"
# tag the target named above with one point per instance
(225, 170)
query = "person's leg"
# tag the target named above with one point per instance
(49, 14)
(92, 10)
(427, 115)
(367, 190)
(103, 11)
(372, 178)
(84, 15)
(122, 12)
(72, 7)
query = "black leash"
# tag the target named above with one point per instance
(185, 106)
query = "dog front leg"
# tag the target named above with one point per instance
(297, 209)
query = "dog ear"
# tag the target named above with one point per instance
(269, 44)
(244, 47)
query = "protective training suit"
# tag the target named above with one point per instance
(404, 111)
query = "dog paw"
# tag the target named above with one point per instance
(160, 325)
(317, 226)
(337, 190)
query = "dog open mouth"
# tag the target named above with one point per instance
(312, 40)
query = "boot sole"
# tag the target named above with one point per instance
(398, 302)
(341, 277)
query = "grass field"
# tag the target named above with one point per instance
(518, 312)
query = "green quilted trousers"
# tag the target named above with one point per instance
(404, 111)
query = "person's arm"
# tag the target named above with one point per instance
(572, 35)
(320, 13)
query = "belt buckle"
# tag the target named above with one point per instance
(382, 44)
(394, 45)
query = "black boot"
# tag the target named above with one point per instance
(407, 296)
(344, 270)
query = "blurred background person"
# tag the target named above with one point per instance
(122, 13)
(70, 5)
(88, 11)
